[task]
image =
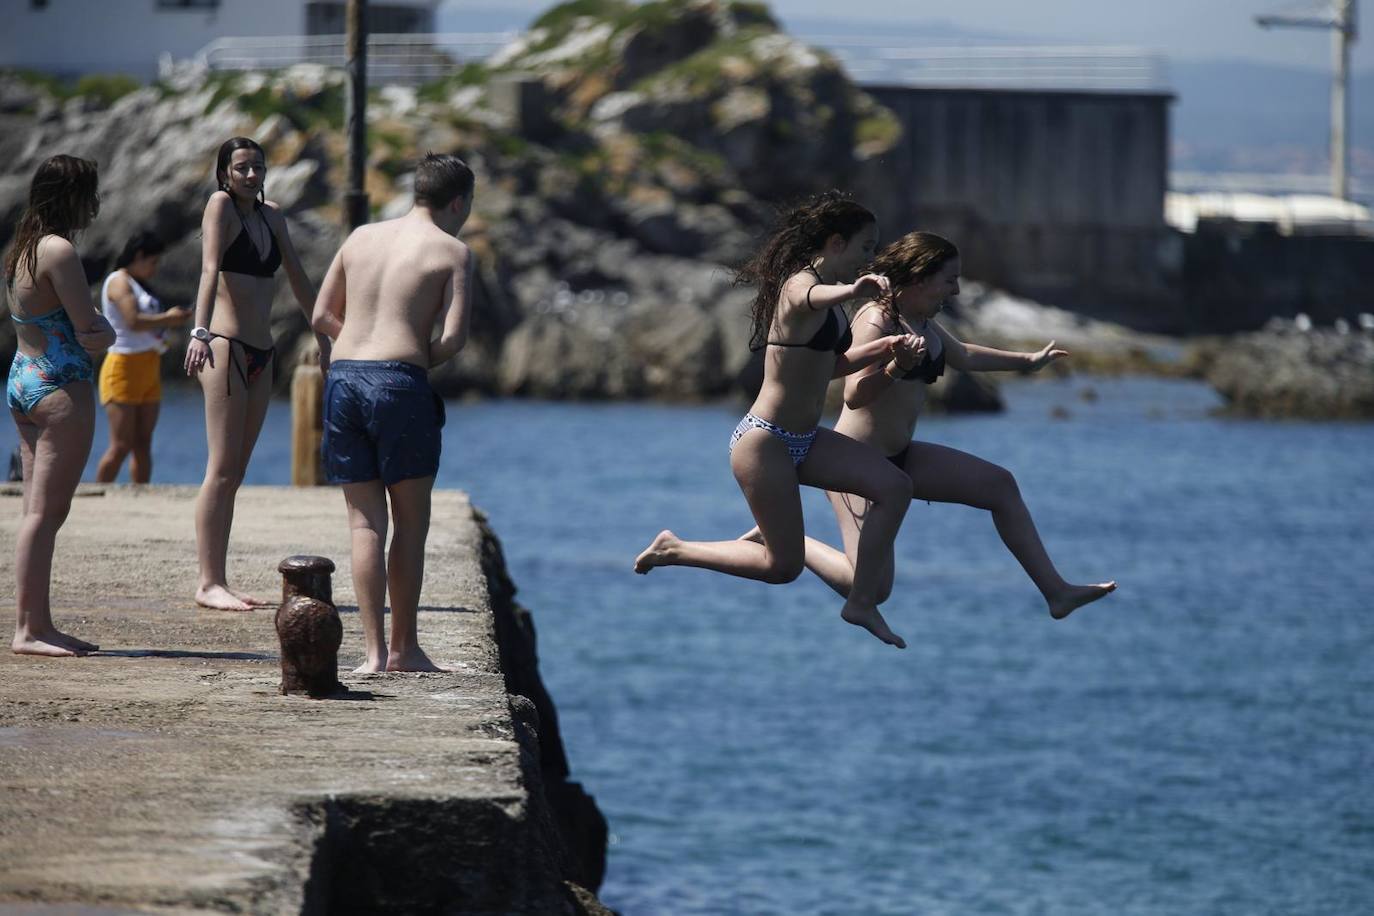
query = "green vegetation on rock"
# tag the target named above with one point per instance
(878, 130)
(470, 74)
(559, 20)
(104, 88)
(701, 72)
(319, 109)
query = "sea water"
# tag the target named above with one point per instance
(1201, 741)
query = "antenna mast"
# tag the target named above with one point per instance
(1338, 16)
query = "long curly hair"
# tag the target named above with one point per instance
(64, 198)
(914, 257)
(801, 232)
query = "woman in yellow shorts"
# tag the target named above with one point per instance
(131, 376)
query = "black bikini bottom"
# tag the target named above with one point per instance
(255, 361)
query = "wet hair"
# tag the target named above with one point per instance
(226, 153)
(801, 232)
(64, 198)
(140, 244)
(440, 179)
(914, 257)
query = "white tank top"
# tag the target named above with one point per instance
(127, 340)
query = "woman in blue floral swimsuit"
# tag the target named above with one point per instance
(50, 392)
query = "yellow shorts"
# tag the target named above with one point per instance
(131, 378)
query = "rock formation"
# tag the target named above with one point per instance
(1286, 371)
(626, 156)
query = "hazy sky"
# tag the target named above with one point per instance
(1177, 28)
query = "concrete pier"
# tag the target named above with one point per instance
(167, 774)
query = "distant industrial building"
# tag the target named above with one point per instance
(75, 37)
(1047, 166)
(1053, 194)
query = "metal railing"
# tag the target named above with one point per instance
(1071, 68)
(391, 58)
(414, 59)
(1186, 182)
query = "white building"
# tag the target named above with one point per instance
(73, 37)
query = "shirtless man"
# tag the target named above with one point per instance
(388, 287)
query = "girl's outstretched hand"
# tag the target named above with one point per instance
(1046, 355)
(870, 286)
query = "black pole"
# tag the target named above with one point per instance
(355, 114)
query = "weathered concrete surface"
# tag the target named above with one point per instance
(166, 773)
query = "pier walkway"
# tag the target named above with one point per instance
(167, 774)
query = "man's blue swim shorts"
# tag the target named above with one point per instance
(381, 421)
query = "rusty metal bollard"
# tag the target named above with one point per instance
(308, 628)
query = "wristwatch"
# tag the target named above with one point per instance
(202, 334)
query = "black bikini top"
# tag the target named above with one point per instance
(241, 257)
(927, 370)
(829, 336)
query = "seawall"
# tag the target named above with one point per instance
(167, 774)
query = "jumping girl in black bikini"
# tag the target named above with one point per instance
(803, 270)
(882, 404)
(244, 241)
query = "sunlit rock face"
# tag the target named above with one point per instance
(626, 157)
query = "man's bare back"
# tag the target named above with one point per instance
(396, 278)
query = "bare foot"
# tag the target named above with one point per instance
(71, 642)
(659, 553)
(753, 534)
(1075, 596)
(219, 598)
(872, 621)
(414, 660)
(249, 599)
(47, 645)
(371, 666)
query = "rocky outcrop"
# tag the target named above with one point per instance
(1292, 372)
(626, 157)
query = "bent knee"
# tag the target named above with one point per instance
(1002, 484)
(894, 488)
(782, 570)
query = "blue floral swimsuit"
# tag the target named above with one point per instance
(32, 378)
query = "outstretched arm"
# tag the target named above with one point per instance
(863, 355)
(457, 310)
(817, 296)
(976, 358)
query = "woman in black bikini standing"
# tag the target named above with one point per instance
(244, 240)
(805, 273)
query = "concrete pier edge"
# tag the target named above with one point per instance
(166, 774)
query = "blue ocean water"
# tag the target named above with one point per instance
(1200, 742)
